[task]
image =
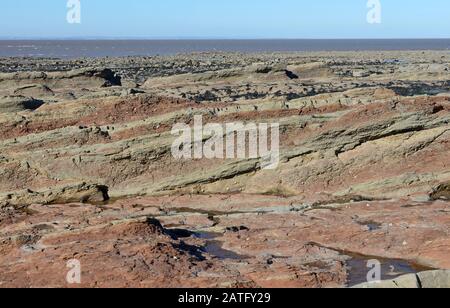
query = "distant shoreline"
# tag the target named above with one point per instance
(79, 48)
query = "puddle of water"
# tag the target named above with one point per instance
(207, 235)
(390, 268)
(214, 247)
(372, 225)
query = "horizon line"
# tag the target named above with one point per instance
(108, 38)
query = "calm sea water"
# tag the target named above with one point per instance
(102, 48)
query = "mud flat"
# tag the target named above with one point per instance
(86, 170)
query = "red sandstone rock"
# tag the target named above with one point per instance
(89, 175)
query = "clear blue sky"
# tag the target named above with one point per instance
(225, 19)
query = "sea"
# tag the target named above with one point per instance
(121, 48)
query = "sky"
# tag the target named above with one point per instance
(171, 19)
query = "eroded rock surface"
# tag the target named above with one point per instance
(87, 173)
(424, 280)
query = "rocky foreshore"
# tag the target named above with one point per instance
(86, 170)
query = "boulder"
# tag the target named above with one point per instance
(426, 280)
(435, 279)
(409, 281)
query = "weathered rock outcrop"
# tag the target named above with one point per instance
(10, 104)
(68, 193)
(441, 192)
(86, 77)
(34, 90)
(87, 173)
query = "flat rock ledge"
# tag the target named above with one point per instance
(425, 280)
